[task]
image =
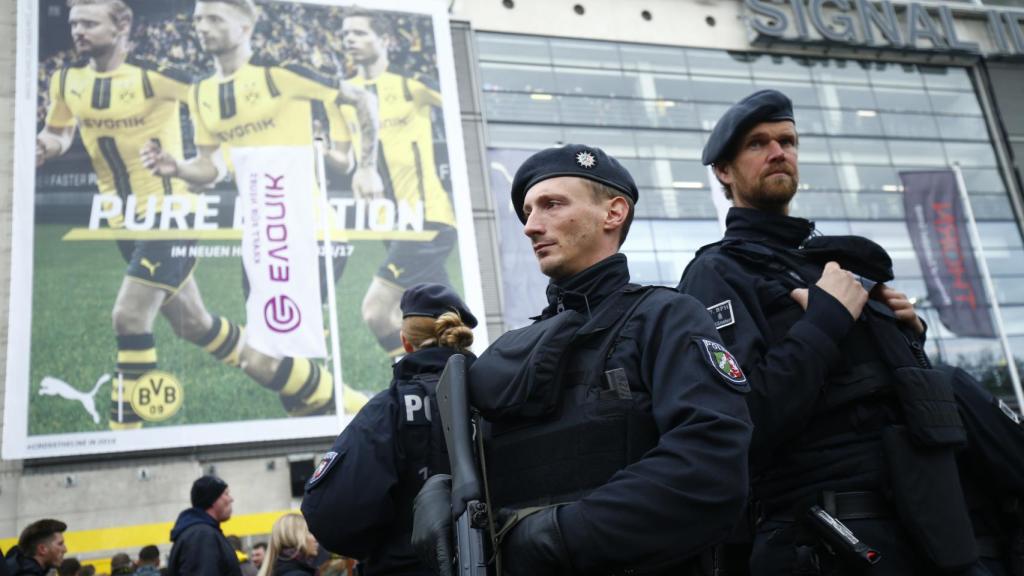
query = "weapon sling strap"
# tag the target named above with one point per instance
(498, 535)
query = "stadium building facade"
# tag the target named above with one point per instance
(879, 87)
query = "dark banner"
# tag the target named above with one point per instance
(941, 240)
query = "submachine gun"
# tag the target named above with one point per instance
(468, 506)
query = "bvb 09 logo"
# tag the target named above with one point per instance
(157, 396)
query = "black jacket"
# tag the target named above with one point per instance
(200, 548)
(376, 467)
(798, 362)
(292, 567)
(686, 493)
(17, 564)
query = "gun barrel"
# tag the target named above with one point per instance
(453, 407)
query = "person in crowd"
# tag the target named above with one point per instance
(378, 464)
(248, 569)
(615, 426)
(258, 553)
(200, 547)
(292, 550)
(854, 431)
(40, 549)
(148, 563)
(69, 567)
(121, 565)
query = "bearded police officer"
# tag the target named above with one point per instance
(616, 424)
(855, 433)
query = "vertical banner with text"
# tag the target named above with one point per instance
(937, 228)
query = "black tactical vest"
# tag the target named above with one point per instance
(566, 422)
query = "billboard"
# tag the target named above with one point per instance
(218, 205)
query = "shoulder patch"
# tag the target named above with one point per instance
(721, 314)
(724, 363)
(325, 465)
(1008, 411)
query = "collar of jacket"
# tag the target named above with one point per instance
(757, 225)
(584, 291)
(425, 360)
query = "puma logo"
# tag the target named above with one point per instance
(150, 266)
(395, 270)
(51, 386)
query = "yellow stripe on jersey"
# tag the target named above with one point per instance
(407, 143)
(116, 113)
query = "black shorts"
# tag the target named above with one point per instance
(165, 264)
(409, 263)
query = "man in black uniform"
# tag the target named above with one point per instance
(618, 413)
(849, 415)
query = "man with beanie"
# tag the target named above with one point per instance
(200, 548)
(616, 429)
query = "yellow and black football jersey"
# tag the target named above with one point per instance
(407, 143)
(264, 105)
(116, 113)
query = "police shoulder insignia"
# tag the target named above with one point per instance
(724, 363)
(326, 463)
(1009, 412)
(586, 159)
(721, 314)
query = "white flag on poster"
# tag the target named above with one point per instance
(279, 250)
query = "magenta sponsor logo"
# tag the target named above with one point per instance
(282, 314)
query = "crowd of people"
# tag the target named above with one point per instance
(199, 547)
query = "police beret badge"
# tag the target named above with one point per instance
(585, 159)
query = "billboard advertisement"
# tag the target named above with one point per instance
(218, 205)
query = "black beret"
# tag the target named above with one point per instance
(206, 490)
(571, 160)
(761, 106)
(433, 300)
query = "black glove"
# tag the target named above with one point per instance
(534, 547)
(432, 524)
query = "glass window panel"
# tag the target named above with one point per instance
(992, 207)
(686, 174)
(643, 267)
(672, 87)
(694, 204)
(844, 71)
(813, 205)
(872, 178)
(810, 119)
(520, 108)
(685, 235)
(669, 114)
(970, 154)
(814, 149)
(916, 153)
(983, 180)
(1005, 262)
(901, 100)
(999, 235)
(857, 150)
(586, 53)
(717, 63)
(818, 176)
(578, 81)
(833, 227)
(671, 266)
(652, 58)
(526, 137)
(725, 90)
(891, 235)
(588, 111)
(616, 142)
(802, 94)
(906, 265)
(964, 103)
(873, 205)
(710, 113)
(664, 144)
(506, 48)
(909, 125)
(639, 237)
(890, 74)
(643, 172)
(850, 123)
(849, 97)
(779, 67)
(948, 78)
(962, 127)
(495, 77)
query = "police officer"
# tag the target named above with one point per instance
(359, 501)
(848, 414)
(616, 427)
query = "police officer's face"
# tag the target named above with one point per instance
(764, 174)
(566, 223)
